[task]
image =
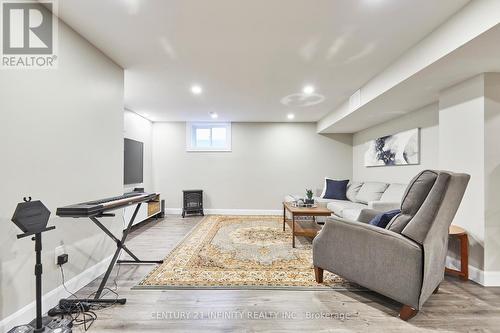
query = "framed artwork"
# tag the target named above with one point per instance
(398, 149)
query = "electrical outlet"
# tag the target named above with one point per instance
(62, 259)
(57, 252)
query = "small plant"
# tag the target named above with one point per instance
(309, 194)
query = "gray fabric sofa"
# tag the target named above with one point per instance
(361, 195)
(405, 261)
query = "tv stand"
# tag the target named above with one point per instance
(148, 210)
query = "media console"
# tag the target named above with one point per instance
(148, 210)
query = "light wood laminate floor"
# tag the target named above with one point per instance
(458, 307)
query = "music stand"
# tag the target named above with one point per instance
(32, 217)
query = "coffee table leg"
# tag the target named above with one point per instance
(293, 230)
(284, 216)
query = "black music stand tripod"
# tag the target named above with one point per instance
(32, 217)
(120, 245)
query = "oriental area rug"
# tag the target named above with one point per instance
(240, 252)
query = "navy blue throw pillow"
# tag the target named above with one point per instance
(335, 189)
(383, 219)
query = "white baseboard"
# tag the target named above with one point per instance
(475, 274)
(244, 211)
(484, 278)
(51, 299)
(492, 279)
(231, 211)
(173, 211)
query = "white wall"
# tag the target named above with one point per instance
(268, 161)
(426, 119)
(140, 129)
(61, 141)
(461, 146)
(492, 173)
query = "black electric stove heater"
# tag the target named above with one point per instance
(192, 202)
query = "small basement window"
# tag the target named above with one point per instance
(208, 136)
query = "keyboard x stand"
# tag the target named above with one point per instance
(120, 245)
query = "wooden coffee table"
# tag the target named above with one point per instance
(297, 228)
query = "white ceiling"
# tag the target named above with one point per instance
(481, 55)
(249, 55)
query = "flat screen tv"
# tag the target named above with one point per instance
(133, 162)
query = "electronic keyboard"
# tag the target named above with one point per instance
(98, 207)
(95, 210)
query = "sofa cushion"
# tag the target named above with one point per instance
(384, 206)
(414, 197)
(352, 190)
(383, 219)
(351, 214)
(335, 189)
(322, 202)
(394, 193)
(371, 191)
(339, 206)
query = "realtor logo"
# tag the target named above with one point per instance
(28, 34)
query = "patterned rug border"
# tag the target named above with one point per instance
(279, 288)
(234, 287)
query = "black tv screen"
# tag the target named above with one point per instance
(133, 162)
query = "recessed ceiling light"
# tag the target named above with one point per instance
(308, 90)
(196, 89)
(290, 116)
(214, 115)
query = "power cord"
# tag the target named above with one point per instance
(85, 313)
(64, 282)
(80, 316)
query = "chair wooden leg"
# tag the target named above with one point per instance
(407, 312)
(318, 274)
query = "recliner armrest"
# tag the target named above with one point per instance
(366, 230)
(376, 258)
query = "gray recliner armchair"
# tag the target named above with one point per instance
(406, 260)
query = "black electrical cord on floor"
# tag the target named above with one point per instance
(87, 317)
(84, 317)
(81, 317)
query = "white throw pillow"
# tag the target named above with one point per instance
(394, 193)
(371, 191)
(352, 190)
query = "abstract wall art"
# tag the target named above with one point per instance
(398, 149)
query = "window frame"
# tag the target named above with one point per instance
(190, 136)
